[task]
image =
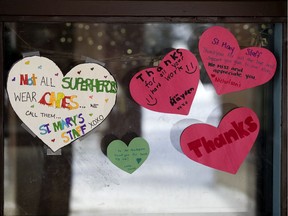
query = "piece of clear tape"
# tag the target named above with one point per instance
(49, 152)
(29, 54)
(28, 129)
(91, 60)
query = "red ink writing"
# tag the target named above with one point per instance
(25, 80)
(238, 131)
(253, 53)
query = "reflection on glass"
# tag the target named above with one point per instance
(82, 181)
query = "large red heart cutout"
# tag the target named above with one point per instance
(230, 68)
(225, 147)
(170, 87)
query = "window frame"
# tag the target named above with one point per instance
(151, 11)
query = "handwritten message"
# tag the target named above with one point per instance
(128, 158)
(225, 147)
(60, 109)
(170, 87)
(230, 68)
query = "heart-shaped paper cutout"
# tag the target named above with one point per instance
(230, 68)
(57, 109)
(177, 129)
(128, 158)
(170, 87)
(225, 147)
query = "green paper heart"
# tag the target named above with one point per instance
(128, 158)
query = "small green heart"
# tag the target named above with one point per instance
(128, 158)
(32, 106)
(91, 114)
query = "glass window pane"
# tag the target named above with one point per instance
(82, 180)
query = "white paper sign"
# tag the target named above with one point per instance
(59, 109)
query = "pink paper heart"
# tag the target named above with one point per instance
(224, 147)
(170, 87)
(230, 68)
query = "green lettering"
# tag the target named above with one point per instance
(75, 133)
(67, 81)
(57, 126)
(78, 82)
(113, 87)
(99, 85)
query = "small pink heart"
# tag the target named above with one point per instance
(230, 68)
(225, 147)
(170, 87)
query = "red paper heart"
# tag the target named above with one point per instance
(231, 69)
(170, 87)
(225, 147)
